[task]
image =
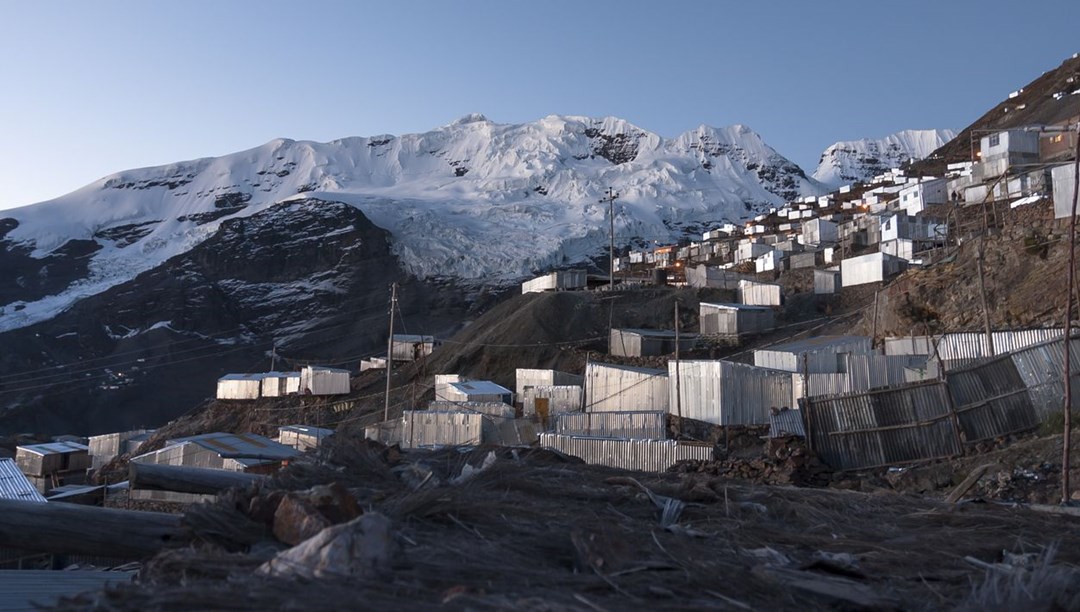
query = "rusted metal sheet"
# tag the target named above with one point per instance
(882, 427)
(640, 425)
(638, 455)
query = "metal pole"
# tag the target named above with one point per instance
(390, 351)
(678, 396)
(873, 335)
(1066, 446)
(611, 197)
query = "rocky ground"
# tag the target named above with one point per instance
(527, 529)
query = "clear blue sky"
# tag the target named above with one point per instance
(91, 88)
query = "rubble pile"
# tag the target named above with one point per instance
(787, 461)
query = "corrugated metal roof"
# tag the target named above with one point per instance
(325, 369)
(258, 376)
(307, 430)
(50, 448)
(639, 370)
(413, 338)
(15, 485)
(238, 446)
(652, 333)
(735, 306)
(818, 343)
(480, 387)
(31, 589)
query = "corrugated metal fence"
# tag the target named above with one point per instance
(994, 397)
(882, 427)
(649, 425)
(639, 455)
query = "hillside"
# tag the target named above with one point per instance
(1051, 98)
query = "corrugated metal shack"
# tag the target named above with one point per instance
(734, 320)
(15, 485)
(629, 425)
(303, 437)
(105, 447)
(245, 452)
(426, 428)
(872, 268)
(318, 380)
(616, 388)
(547, 400)
(827, 282)
(239, 386)
(53, 464)
(712, 276)
(477, 391)
(556, 281)
(647, 342)
(442, 385)
(280, 384)
(529, 377)
(823, 354)
(410, 347)
(753, 293)
(728, 393)
(500, 410)
(638, 455)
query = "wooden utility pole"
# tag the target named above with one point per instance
(1066, 446)
(612, 195)
(86, 530)
(678, 396)
(982, 284)
(390, 351)
(873, 334)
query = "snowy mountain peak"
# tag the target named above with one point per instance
(474, 199)
(858, 160)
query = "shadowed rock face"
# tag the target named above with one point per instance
(27, 278)
(310, 275)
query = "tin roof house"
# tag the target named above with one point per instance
(639, 342)
(734, 320)
(52, 464)
(823, 354)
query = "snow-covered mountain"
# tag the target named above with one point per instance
(472, 200)
(858, 160)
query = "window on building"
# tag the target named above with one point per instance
(995, 140)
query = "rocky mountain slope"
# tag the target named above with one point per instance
(858, 160)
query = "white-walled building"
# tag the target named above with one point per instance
(317, 380)
(560, 280)
(819, 231)
(753, 293)
(616, 388)
(872, 268)
(823, 354)
(734, 320)
(1003, 150)
(920, 196)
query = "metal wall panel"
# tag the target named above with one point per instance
(1041, 367)
(561, 398)
(640, 425)
(786, 423)
(991, 400)
(611, 388)
(494, 409)
(882, 427)
(426, 428)
(638, 455)
(728, 393)
(527, 377)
